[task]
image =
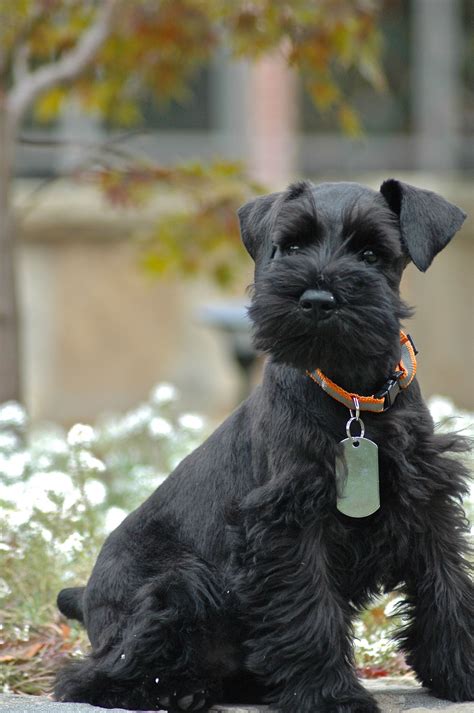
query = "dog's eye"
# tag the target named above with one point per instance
(292, 249)
(369, 256)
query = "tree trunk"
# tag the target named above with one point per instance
(9, 337)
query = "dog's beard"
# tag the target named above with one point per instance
(361, 334)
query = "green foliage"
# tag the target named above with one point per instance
(157, 48)
(376, 651)
(199, 233)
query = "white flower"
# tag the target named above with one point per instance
(14, 465)
(113, 429)
(95, 491)
(11, 492)
(81, 435)
(113, 518)
(12, 414)
(87, 461)
(191, 422)
(160, 478)
(22, 634)
(441, 408)
(138, 419)
(18, 511)
(55, 480)
(159, 427)
(72, 544)
(163, 394)
(5, 589)
(44, 462)
(448, 418)
(142, 472)
(39, 486)
(175, 461)
(43, 531)
(47, 442)
(9, 441)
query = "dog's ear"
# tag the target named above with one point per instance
(427, 221)
(255, 224)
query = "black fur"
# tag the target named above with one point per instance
(427, 221)
(238, 579)
(69, 602)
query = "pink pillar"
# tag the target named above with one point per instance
(272, 121)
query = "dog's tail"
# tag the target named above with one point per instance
(69, 603)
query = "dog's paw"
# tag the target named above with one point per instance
(458, 690)
(179, 702)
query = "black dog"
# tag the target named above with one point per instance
(239, 577)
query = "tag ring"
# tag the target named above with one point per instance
(357, 408)
(361, 424)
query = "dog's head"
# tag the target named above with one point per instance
(328, 264)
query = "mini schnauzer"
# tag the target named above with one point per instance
(238, 579)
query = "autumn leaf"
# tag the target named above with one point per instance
(350, 121)
(33, 650)
(50, 104)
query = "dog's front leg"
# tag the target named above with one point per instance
(299, 625)
(439, 636)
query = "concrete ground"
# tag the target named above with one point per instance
(392, 696)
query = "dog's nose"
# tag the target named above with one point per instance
(317, 303)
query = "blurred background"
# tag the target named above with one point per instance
(100, 320)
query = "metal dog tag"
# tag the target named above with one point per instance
(357, 474)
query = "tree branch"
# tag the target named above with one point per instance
(70, 66)
(107, 147)
(20, 64)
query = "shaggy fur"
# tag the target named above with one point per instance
(238, 579)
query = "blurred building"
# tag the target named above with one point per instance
(98, 333)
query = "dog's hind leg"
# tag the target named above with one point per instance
(171, 652)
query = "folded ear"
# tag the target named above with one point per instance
(255, 224)
(427, 221)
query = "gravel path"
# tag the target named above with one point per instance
(392, 696)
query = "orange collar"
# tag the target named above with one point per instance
(379, 402)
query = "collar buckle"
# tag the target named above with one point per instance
(390, 390)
